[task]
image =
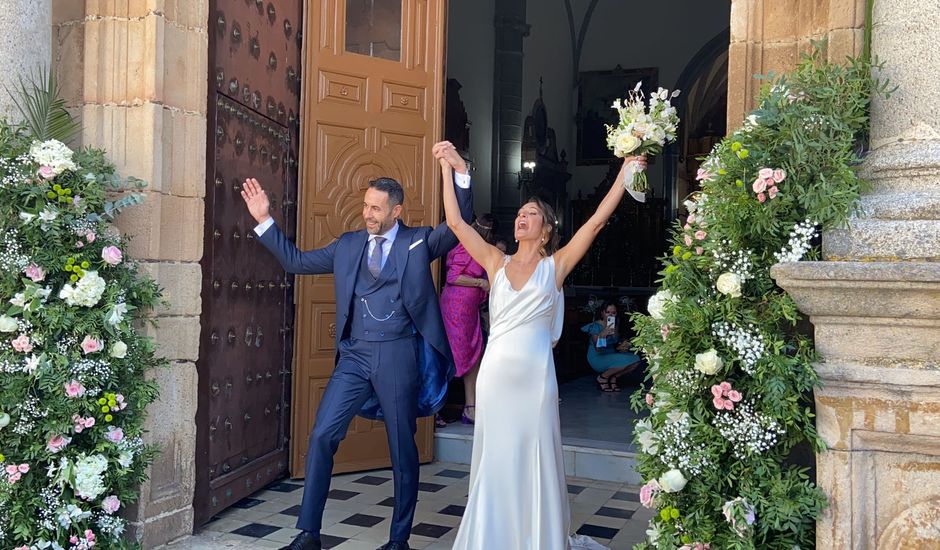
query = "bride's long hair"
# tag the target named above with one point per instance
(549, 220)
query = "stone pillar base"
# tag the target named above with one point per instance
(877, 328)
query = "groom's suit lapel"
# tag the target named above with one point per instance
(400, 249)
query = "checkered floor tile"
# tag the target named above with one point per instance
(359, 509)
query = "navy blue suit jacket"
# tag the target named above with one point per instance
(413, 251)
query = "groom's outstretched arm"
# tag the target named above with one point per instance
(292, 259)
(442, 239)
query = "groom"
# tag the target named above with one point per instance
(392, 358)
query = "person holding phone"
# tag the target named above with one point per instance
(606, 354)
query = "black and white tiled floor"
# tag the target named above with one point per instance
(360, 505)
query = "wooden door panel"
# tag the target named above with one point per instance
(363, 117)
(242, 418)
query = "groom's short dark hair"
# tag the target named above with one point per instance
(396, 195)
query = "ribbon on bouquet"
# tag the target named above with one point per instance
(628, 182)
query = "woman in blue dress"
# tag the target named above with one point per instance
(606, 354)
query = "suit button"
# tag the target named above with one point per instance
(363, 315)
(381, 334)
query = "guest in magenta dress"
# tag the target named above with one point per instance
(464, 291)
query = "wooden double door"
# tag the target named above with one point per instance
(314, 98)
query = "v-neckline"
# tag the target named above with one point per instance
(531, 275)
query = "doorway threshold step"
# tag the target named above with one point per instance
(584, 458)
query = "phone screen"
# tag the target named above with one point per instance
(611, 320)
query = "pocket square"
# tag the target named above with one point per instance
(416, 243)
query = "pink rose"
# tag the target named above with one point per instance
(74, 389)
(79, 244)
(115, 434)
(648, 493)
(688, 240)
(46, 172)
(700, 235)
(716, 391)
(761, 197)
(57, 442)
(649, 399)
(121, 405)
(699, 250)
(759, 185)
(90, 345)
(734, 395)
(35, 273)
(664, 331)
(23, 468)
(725, 387)
(110, 504)
(702, 174)
(690, 219)
(765, 173)
(82, 423)
(90, 236)
(22, 344)
(718, 402)
(111, 255)
(779, 175)
(772, 191)
(686, 226)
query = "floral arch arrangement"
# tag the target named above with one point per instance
(731, 376)
(73, 359)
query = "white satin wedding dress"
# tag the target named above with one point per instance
(518, 491)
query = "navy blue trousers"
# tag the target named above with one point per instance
(389, 371)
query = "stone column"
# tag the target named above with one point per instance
(25, 45)
(511, 30)
(769, 35)
(875, 305)
(137, 72)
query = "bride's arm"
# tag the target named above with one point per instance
(569, 255)
(484, 253)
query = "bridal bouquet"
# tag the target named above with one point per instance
(642, 130)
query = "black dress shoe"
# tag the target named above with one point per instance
(304, 541)
(394, 545)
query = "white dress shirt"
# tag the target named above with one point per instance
(461, 180)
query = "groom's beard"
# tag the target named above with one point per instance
(381, 227)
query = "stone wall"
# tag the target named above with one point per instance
(769, 35)
(136, 73)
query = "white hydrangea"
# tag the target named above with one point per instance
(86, 292)
(89, 476)
(54, 154)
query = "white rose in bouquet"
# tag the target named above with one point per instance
(8, 324)
(708, 362)
(672, 481)
(657, 303)
(730, 284)
(118, 350)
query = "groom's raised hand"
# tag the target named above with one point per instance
(446, 152)
(256, 200)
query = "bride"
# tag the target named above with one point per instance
(518, 493)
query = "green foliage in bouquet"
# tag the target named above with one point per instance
(73, 361)
(731, 376)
